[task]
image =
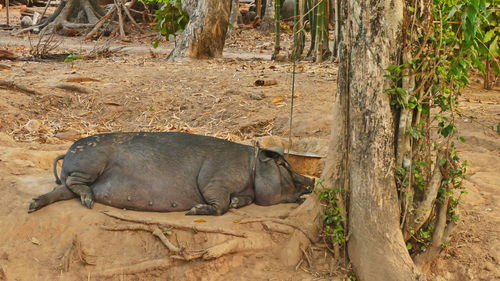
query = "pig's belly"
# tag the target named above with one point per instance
(138, 192)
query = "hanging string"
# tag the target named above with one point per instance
(294, 64)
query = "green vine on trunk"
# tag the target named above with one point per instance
(443, 40)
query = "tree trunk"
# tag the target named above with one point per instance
(205, 33)
(233, 16)
(267, 23)
(362, 155)
(338, 11)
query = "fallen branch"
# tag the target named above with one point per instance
(10, 85)
(198, 228)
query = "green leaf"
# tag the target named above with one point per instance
(494, 47)
(453, 11)
(488, 36)
(462, 139)
(156, 43)
(395, 68)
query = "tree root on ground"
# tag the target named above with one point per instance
(155, 230)
(136, 268)
(74, 17)
(279, 221)
(240, 242)
(75, 248)
(10, 85)
(198, 228)
(441, 235)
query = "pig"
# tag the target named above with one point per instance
(173, 171)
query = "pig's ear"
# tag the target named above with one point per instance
(278, 149)
(270, 153)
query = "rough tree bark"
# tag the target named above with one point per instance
(362, 155)
(205, 33)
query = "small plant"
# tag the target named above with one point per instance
(72, 58)
(170, 20)
(334, 217)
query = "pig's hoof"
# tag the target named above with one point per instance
(202, 209)
(235, 203)
(87, 201)
(34, 205)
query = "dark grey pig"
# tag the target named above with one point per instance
(173, 172)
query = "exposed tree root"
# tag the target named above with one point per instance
(442, 231)
(74, 17)
(136, 268)
(66, 257)
(241, 242)
(155, 230)
(279, 221)
(75, 248)
(10, 85)
(198, 228)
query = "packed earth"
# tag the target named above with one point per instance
(113, 86)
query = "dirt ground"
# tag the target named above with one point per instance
(136, 90)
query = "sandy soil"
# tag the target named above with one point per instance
(136, 90)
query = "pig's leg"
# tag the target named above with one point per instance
(217, 198)
(59, 193)
(239, 201)
(78, 183)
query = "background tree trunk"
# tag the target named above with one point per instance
(205, 33)
(267, 23)
(233, 16)
(362, 155)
